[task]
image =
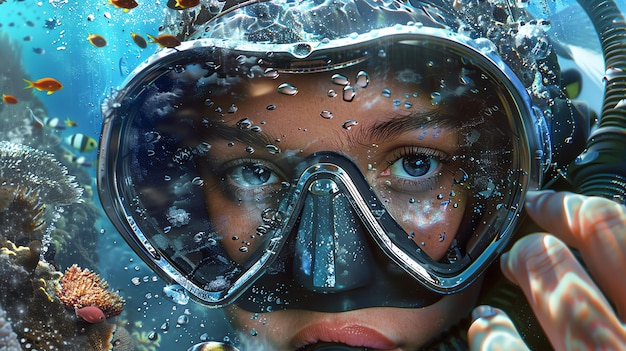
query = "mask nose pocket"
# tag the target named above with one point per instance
(331, 249)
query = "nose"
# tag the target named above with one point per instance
(331, 249)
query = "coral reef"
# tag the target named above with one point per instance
(80, 288)
(28, 293)
(8, 338)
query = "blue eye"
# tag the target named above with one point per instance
(252, 175)
(417, 165)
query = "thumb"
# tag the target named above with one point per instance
(493, 330)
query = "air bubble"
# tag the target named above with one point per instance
(442, 236)
(339, 79)
(183, 320)
(243, 249)
(270, 107)
(331, 93)
(382, 53)
(165, 326)
(348, 93)
(386, 93)
(287, 89)
(408, 104)
(245, 123)
(152, 137)
(232, 108)
(362, 79)
(326, 114)
(241, 59)
(250, 149)
(152, 335)
(347, 125)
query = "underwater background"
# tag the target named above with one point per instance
(49, 38)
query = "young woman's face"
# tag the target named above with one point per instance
(406, 151)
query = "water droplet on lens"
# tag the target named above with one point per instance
(197, 181)
(339, 79)
(348, 93)
(349, 124)
(183, 320)
(245, 123)
(386, 93)
(287, 89)
(272, 149)
(331, 93)
(362, 79)
(326, 114)
(271, 73)
(435, 97)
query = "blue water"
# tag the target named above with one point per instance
(59, 31)
(57, 46)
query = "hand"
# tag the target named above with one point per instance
(577, 311)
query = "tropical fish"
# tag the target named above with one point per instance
(28, 38)
(91, 314)
(79, 160)
(139, 40)
(81, 142)
(97, 40)
(165, 40)
(9, 99)
(70, 123)
(185, 4)
(37, 122)
(124, 4)
(54, 123)
(49, 84)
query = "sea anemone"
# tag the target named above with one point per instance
(81, 288)
(30, 179)
(24, 166)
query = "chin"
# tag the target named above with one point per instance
(376, 328)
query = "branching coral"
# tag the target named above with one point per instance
(80, 288)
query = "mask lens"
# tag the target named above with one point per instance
(217, 151)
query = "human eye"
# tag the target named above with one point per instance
(249, 177)
(414, 168)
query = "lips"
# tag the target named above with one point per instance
(351, 334)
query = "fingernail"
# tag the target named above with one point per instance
(483, 311)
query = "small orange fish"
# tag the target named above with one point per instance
(139, 40)
(165, 40)
(49, 84)
(185, 4)
(91, 314)
(9, 99)
(97, 40)
(124, 4)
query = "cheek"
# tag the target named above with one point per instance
(235, 226)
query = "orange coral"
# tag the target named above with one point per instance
(80, 288)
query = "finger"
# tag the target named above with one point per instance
(596, 227)
(569, 306)
(493, 330)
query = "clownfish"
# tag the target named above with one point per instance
(9, 99)
(49, 84)
(91, 314)
(165, 40)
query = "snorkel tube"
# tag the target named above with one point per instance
(600, 170)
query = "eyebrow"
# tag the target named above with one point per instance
(401, 124)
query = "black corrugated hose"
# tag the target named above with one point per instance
(600, 170)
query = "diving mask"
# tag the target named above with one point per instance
(293, 161)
